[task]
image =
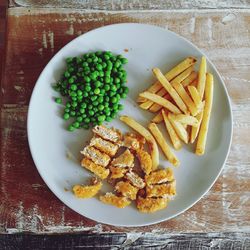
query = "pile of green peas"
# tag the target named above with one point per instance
(92, 87)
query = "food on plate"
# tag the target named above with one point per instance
(87, 191)
(126, 189)
(190, 79)
(165, 83)
(158, 118)
(159, 176)
(106, 147)
(98, 170)
(161, 101)
(172, 134)
(147, 135)
(145, 160)
(163, 144)
(112, 199)
(133, 141)
(202, 137)
(195, 96)
(165, 190)
(109, 134)
(117, 172)
(135, 179)
(195, 130)
(96, 156)
(91, 88)
(186, 119)
(202, 77)
(151, 205)
(126, 159)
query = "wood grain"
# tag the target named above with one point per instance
(135, 4)
(35, 35)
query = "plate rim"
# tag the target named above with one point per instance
(228, 105)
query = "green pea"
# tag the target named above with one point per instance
(66, 74)
(89, 60)
(58, 100)
(85, 94)
(82, 110)
(66, 110)
(104, 65)
(111, 93)
(85, 64)
(114, 99)
(97, 91)
(99, 66)
(106, 104)
(102, 92)
(93, 98)
(125, 90)
(101, 118)
(85, 126)
(95, 103)
(86, 120)
(124, 60)
(72, 113)
(74, 104)
(79, 118)
(91, 112)
(71, 128)
(90, 106)
(108, 119)
(107, 87)
(113, 88)
(83, 105)
(76, 124)
(107, 79)
(101, 73)
(101, 107)
(98, 84)
(66, 116)
(120, 107)
(86, 79)
(87, 88)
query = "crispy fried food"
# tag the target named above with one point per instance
(96, 156)
(161, 101)
(98, 170)
(202, 137)
(159, 176)
(195, 130)
(135, 179)
(109, 134)
(126, 159)
(195, 96)
(133, 141)
(189, 61)
(172, 92)
(126, 189)
(186, 120)
(179, 128)
(117, 172)
(106, 147)
(114, 200)
(145, 160)
(150, 205)
(158, 118)
(189, 79)
(156, 107)
(165, 190)
(202, 77)
(163, 144)
(172, 134)
(83, 191)
(147, 135)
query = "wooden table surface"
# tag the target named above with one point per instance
(35, 32)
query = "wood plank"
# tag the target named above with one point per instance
(222, 241)
(135, 4)
(34, 208)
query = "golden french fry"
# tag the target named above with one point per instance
(145, 105)
(195, 130)
(172, 92)
(163, 144)
(147, 135)
(156, 107)
(195, 96)
(189, 61)
(186, 119)
(172, 134)
(161, 101)
(202, 77)
(189, 79)
(181, 77)
(202, 137)
(179, 128)
(158, 118)
(186, 98)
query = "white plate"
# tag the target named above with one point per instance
(50, 142)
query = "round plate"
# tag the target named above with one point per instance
(56, 151)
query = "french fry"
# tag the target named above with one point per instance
(163, 144)
(161, 101)
(195, 96)
(186, 98)
(189, 61)
(147, 135)
(179, 129)
(156, 107)
(202, 137)
(195, 130)
(172, 92)
(189, 79)
(186, 120)
(202, 77)
(172, 134)
(158, 118)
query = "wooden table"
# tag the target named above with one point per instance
(35, 32)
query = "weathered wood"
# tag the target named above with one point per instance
(222, 241)
(35, 35)
(135, 4)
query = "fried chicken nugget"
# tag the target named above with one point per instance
(112, 199)
(159, 176)
(166, 190)
(135, 179)
(126, 189)
(150, 205)
(87, 191)
(98, 170)
(145, 161)
(126, 159)
(109, 134)
(117, 172)
(133, 141)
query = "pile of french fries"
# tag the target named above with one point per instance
(182, 99)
